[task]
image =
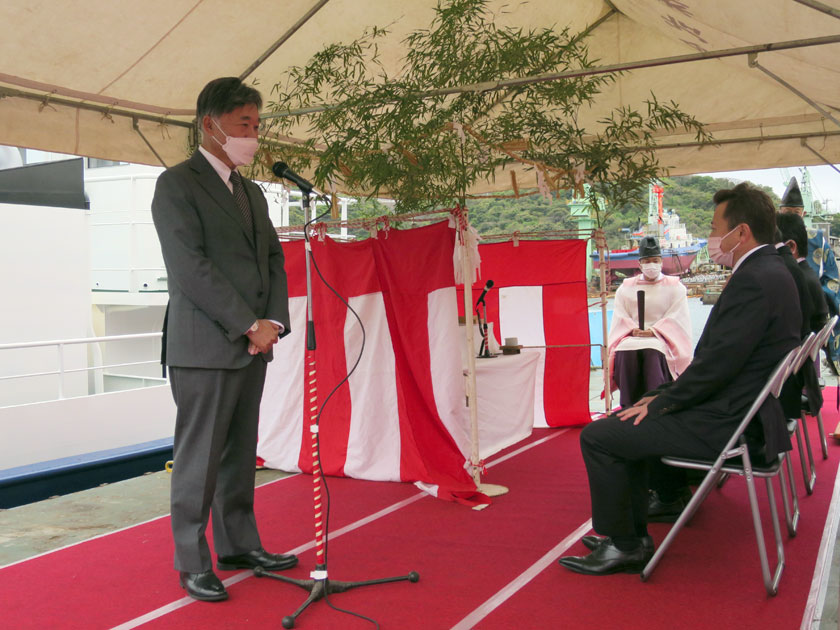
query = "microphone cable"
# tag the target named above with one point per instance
(321, 410)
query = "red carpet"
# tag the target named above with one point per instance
(710, 577)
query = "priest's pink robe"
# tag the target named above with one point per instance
(666, 314)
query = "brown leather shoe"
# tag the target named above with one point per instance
(205, 587)
(257, 558)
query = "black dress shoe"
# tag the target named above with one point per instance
(593, 542)
(660, 511)
(205, 587)
(257, 558)
(607, 559)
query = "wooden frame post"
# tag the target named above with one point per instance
(601, 243)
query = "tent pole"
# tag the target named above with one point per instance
(285, 37)
(759, 139)
(136, 128)
(472, 401)
(819, 6)
(753, 62)
(601, 242)
(819, 155)
(466, 272)
(505, 84)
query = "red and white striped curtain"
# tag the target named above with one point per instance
(402, 414)
(396, 418)
(539, 297)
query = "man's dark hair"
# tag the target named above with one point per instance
(793, 229)
(747, 204)
(223, 95)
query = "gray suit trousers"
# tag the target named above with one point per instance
(214, 461)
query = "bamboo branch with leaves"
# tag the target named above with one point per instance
(400, 133)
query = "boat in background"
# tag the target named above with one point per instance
(679, 247)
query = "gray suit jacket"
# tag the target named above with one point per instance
(221, 278)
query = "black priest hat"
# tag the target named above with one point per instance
(792, 197)
(648, 247)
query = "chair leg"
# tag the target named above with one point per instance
(772, 587)
(802, 436)
(790, 502)
(722, 479)
(771, 583)
(823, 442)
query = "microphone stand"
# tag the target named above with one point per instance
(319, 586)
(484, 349)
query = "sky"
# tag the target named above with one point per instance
(825, 182)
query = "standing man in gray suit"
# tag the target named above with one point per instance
(228, 306)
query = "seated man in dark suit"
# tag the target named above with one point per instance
(802, 290)
(795, 236)
(791, 396)
(750, 329)
(793, 232)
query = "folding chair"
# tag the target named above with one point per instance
(809, 469)
(748, 470)
(813, 409)
(808, 475)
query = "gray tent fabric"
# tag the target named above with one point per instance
(118, 79)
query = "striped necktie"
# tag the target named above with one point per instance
(241, 200)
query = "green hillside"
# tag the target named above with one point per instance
(689, 196)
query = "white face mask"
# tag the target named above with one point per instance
(241, 151)
(717, 254)
(651, 270)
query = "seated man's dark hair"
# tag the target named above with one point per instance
(793, 229)
(747, 204)
(223, 95)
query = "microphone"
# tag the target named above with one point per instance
(282, 170)
(487, 287)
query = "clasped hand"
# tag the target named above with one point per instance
(264, 338)
(638, 411)
(638, 332)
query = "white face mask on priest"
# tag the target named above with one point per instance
(650, 258)
(651, 267)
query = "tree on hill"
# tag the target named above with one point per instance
(689, 196)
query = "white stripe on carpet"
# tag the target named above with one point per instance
(173, 606)
(244, 575)
(504, 458)
(520, 581)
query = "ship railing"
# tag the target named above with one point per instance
(63, 368)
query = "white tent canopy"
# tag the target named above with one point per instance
(117, 80)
